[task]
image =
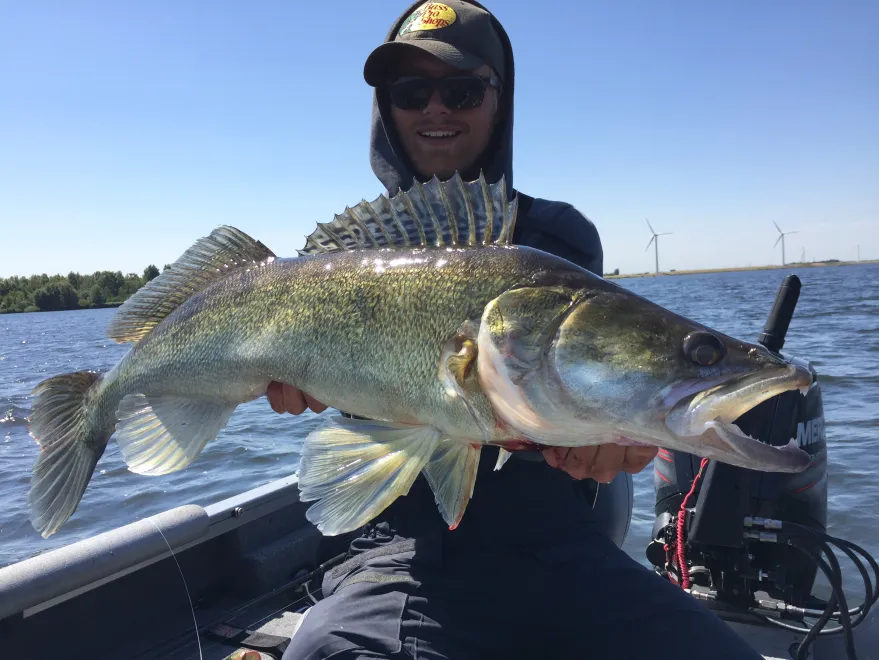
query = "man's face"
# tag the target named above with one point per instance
(442, 156)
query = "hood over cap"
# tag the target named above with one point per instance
(455, 32)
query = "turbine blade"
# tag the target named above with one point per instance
(649, 225)
(652, 238)
(780, 236)
(777, 227)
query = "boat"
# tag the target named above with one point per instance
(223, 581)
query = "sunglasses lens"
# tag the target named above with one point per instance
(411, 94)
(462, 93)
(456, 93)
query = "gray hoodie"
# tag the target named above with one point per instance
(554, 227)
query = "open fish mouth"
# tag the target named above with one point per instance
(706, 419)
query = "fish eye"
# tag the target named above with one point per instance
(703, 348)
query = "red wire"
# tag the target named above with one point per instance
(669, 562)
(682, 517)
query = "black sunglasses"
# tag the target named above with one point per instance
(456, 92)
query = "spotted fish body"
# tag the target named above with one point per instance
(358, 331)
(417, 314)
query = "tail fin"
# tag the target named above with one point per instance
(70, 447)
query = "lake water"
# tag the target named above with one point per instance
(836, 327)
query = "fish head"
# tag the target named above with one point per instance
(607, 365)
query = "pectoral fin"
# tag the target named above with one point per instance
(451, 473)
(354, 469)
(502, 457)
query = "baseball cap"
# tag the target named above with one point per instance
(456, 32)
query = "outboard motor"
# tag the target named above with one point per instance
(726, 533)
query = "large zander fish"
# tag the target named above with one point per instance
(417, 313)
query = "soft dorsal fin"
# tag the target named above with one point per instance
(210, 259)
(451, 213)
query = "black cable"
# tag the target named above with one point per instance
(828, 572)
(803, 647)
(869, 597)
(810, 541)
(873, 564)
(849, 549)
(871, 588)
(842, 544)
(836, 585)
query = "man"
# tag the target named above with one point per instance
(530, 571)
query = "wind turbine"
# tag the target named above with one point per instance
(655, 241)
(781, 235)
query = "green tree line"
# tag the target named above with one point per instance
(45, 293)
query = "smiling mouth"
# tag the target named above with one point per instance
(439, 135)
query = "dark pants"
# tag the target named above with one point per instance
(583, 599)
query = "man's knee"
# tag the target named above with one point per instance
(353, 623)
(317, 636)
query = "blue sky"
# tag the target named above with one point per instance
(128, 130)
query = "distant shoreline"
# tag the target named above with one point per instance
(108, 305)
(704, 271)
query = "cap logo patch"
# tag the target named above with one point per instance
(429, 16)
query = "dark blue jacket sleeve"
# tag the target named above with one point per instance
(560, 229)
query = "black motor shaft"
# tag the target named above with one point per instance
(782, 312)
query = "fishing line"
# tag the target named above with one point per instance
(188, 597)
(295, 583)
(308, 592)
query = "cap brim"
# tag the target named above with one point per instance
(382, 60)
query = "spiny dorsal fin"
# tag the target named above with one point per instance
(453, 213)
(210, 259)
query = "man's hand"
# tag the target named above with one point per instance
(286, 398)
(601, 462)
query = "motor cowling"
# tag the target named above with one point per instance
(716, 552)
